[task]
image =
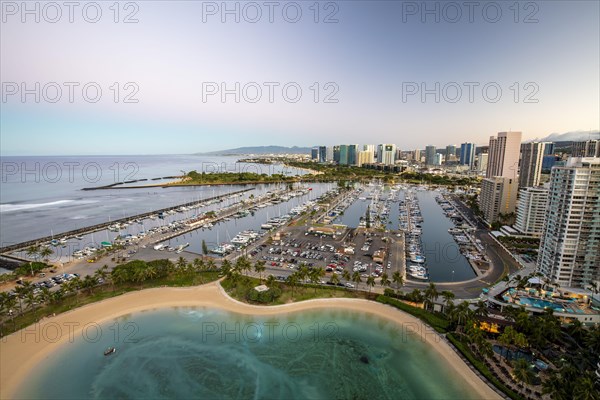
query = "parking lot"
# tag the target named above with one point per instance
(347, 252)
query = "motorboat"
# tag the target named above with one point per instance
(109, 351)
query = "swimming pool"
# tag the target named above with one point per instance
(539, 303)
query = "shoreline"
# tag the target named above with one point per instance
(22, 351)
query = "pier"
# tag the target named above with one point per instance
(104, 225)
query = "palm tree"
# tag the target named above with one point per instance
(181, 263)
(448, 298)
(315, 276)
(259, 268)
(335, 279)
(522, 372)
(356, 278)
(292, 280)
(346, 275)
(45, 253)
(88, 283)
(102, 274)
(198, 264)
(431, 293)
(45, 296)
(7, 303)
(31, 300)
(398, 279)
(585, 388)
(370, 282)
(22, 292)
(481, 309)
(225, 267)
(385, 281)
(210, 265)
(303, 272)
(270, 281)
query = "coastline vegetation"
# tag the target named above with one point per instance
(29, 304)
(570, 351)
(303, 284)
(220, 178)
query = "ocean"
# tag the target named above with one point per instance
(209, 353)
(41, 196)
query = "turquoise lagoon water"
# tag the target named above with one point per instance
(211, 354)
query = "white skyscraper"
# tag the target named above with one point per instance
(531, 210)
(570, 244)
(499, 189)
(503, 155)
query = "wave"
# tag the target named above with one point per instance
(19, 207)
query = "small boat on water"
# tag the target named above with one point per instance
(181, 247)
(109, 351)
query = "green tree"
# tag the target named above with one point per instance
(204, 247)
(335, 279)
(385, 281)
(370, 282)
(259, 268)
(292, 281)
(522, 372)
(398, 279)
(356, 278)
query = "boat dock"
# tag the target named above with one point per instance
(105, 225)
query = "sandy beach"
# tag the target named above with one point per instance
(23, 350)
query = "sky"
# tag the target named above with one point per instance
(185, 76)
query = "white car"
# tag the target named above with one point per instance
(349, 285)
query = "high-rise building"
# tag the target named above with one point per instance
(570, 244)
(370, 148)
(417, 155)
(336, 154)
(530, 167)
(450, 153)
(549, 148)
(329, 154)
(352, 154)
(498, 196)
(549, 161)
(322, 154)
(388, 154)
(467, 154)
(314, 153)
(364, 157)
(430, 155)
(503, 155)
(438, 159)
(343, 154)
(589, 148)
(531, 210)
(481, 161)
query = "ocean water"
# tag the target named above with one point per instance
(212, 354)
(40, 196)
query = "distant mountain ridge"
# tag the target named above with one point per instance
(260, 150)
